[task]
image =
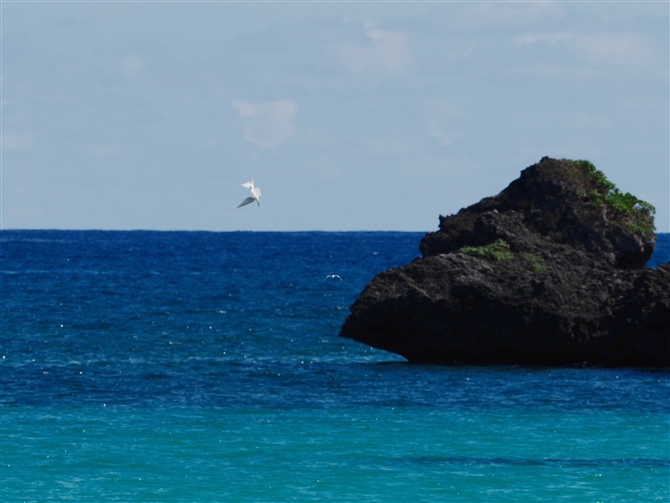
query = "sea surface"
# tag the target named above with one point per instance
(196, 367)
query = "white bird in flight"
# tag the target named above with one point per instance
(333, 276)
(255, 194)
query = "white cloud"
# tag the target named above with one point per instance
(547, 38)
(510, 14)
(558, 72)
(444, 116)
(606, 48)
(131, 65)
(616, 49)
(105, 150)
(445, 139)
(388, 53)
(458, 50)
(266, 124)
(15, 141)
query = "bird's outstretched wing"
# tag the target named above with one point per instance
(249, 184)
(333, 276)
(248, 200)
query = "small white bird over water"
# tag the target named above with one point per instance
(255, 194)
(333, 276)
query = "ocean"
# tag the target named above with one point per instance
(200, 366)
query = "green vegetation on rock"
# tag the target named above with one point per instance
(535, 261)
(498, 250)
(606, 193)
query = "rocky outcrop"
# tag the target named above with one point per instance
(548, 272)
(569, 202)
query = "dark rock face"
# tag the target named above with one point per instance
(553, 200)
(536, 275)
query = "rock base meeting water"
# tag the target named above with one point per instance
(549, 272)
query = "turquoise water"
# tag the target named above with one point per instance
(365, 454)
(135, 368)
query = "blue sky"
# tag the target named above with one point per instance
(349, 116)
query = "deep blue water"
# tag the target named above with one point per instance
(195, 366)
(661, 251)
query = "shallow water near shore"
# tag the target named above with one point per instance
(194, 366)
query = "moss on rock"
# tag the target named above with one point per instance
(567, 201)
(634, 212)
(499, 250)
